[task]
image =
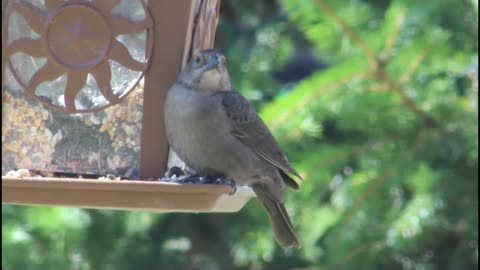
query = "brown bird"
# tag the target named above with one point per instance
(217, 133)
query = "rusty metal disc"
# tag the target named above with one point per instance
(80, 40)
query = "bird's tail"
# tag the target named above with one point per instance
(282, 226)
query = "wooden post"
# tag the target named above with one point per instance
(181, 28)
(172, 29)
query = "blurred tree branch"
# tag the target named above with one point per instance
(352, 253)
(415, 64)
(394, 34)
(371, 187)
(379, 63)
(354, 36)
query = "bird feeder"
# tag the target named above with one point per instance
(83, 87)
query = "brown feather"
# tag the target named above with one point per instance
(288, 180)
(281, 223)
(250, 129)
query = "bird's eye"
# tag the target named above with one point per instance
(197, 59)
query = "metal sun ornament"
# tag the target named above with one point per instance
(78, 38)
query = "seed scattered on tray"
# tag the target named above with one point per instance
(177, 175)
(20, 173)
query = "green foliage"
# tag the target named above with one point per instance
(385, 134)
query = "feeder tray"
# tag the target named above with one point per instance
(81, 40)
(124, 194)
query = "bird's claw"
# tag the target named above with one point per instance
(176, 174)
(233, 191)
(229, 182)
(205, 180)
(177, 171)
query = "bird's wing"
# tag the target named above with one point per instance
(249, 128)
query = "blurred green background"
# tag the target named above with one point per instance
(373, 101)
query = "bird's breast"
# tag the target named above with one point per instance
(195, 127)
(200, 133)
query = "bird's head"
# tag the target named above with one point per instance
(206, 71)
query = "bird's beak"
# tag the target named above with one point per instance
(213, 62)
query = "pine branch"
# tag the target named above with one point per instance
(427, 120)
(379, 66)
(415, 64)
(343, 259)
(352, 253)
(354, 36)
(363, 149)
(280, 120)
(371, 187)
(393, 36)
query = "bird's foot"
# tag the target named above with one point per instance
(176, 174)
(196, 178)
(229, 182)
(174, 171)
